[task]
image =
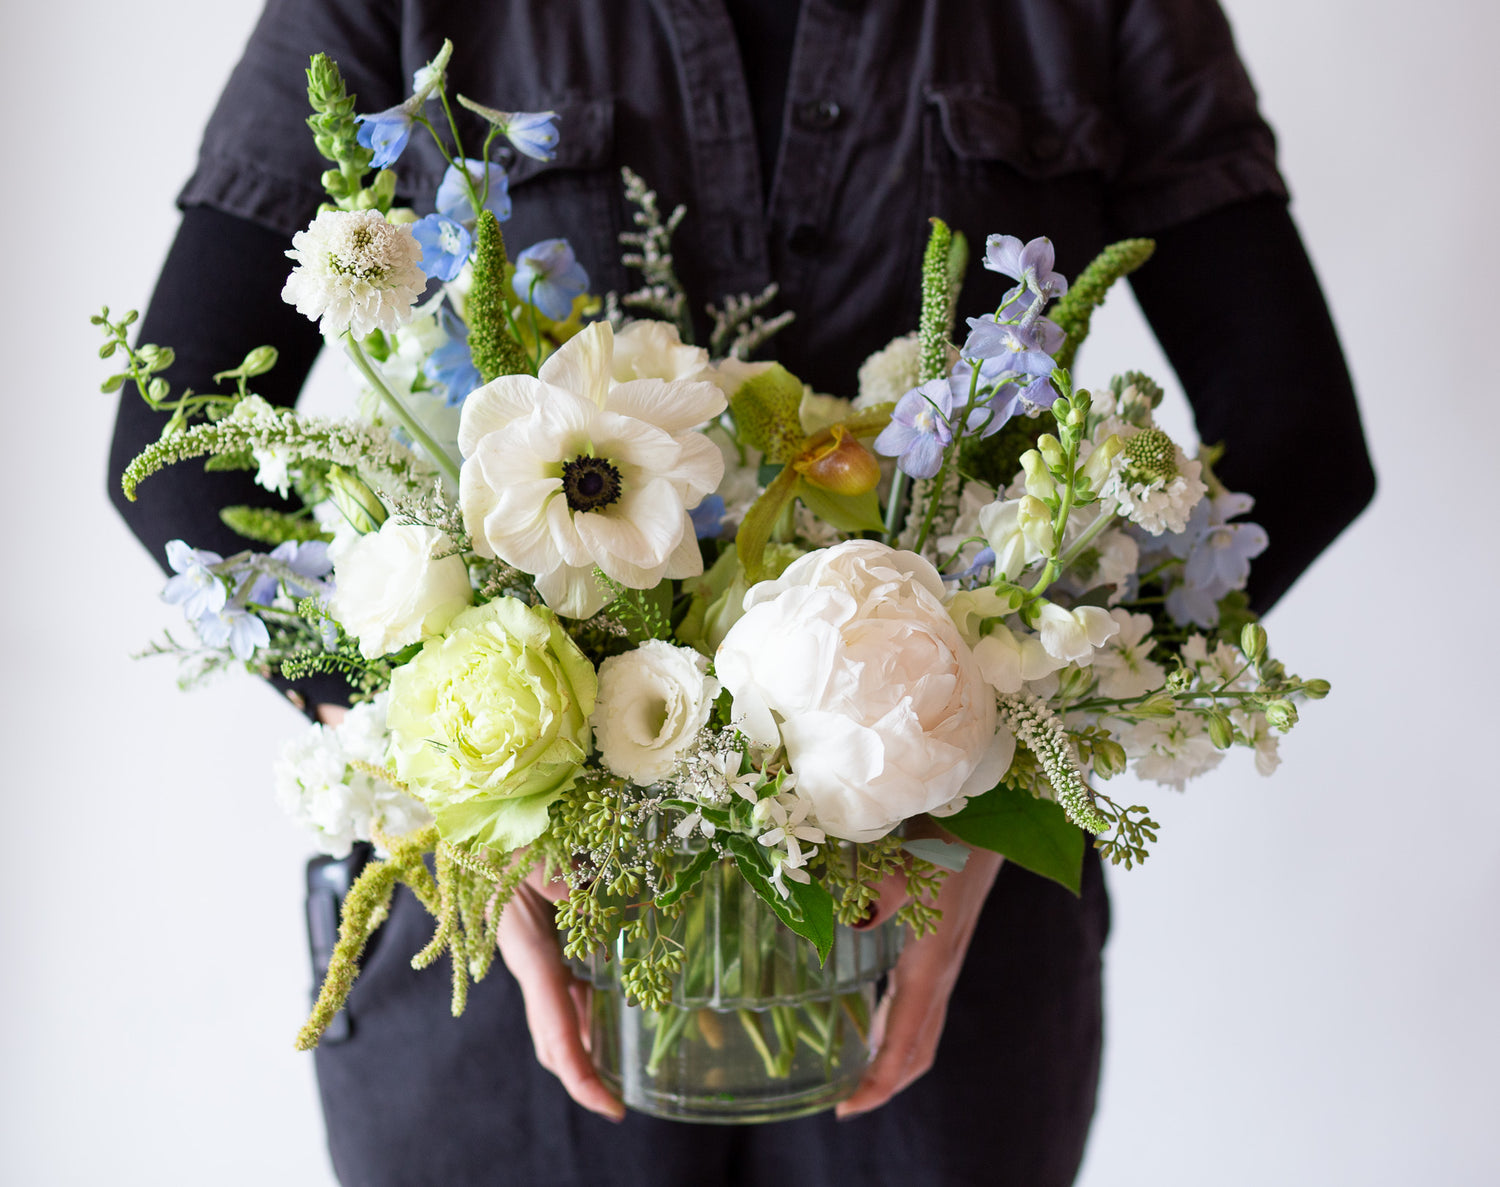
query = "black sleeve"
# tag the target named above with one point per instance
(218, 297)
(1234, 301)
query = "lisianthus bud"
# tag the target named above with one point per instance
(1220, 731)
(840, 464)
(356, 502)
(1039, 480)
(1317, 689)
(1253, 641)
(1109, 758)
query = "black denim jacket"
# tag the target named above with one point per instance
(1082, 120)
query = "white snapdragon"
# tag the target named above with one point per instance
(1019, 531)
(395, 586)
(355, 271)
(1073, 635)
(652, 703)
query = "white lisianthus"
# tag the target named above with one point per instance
(394, 586)
(850, 661)
(355, 271)
(652, 703)
(654, 350)
(1124, 667)
(890, 372)
(1072, 635)
(567, 472)
(316, 785)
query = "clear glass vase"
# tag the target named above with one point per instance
(757, 1030)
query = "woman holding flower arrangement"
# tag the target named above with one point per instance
(794, 170)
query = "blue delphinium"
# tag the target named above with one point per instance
(533, 133)
(386, 133)
(453, 194)
(1030, 263)
(708, 517)
(920, 429)
(446, 245)
(451, 364)
(235, 628)
(549, 276)
(196, 588)
(1216, 555)
(1020, 347)
(306, 558)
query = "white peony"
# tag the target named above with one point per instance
(654, 350)
(355, 271)
(568, 471)
(652, 702)
(850, 661)
(394, 586)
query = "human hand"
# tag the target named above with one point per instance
(331, 714)
(909, 1020)
(556, 1001)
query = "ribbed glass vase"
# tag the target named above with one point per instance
(757, 1030)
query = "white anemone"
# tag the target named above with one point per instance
(567, 471)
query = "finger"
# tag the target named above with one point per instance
(891, 898)
(554, 890)
(915, 1010)
(582, 995)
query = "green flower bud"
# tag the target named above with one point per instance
(1078, 412)
(258, 361)
(1109, 758)
(1253, 641)
(1220, 731)
(356, 502)
(1052, 450)
(1096, 469)
(1317, 689)
(1062, 408)
(1039, 481)
(333, 181)
(1281, 714)
(1073, 682)
(1159, 704)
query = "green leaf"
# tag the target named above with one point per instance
(809, 910)
(1033, 833)
(688, 877)
(848, 513)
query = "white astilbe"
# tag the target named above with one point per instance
(1040, 730)
(355, 271)
(317, 785)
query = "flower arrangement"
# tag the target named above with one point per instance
(631, 611)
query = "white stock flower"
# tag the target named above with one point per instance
(890, 372)
(1073, 635)
(654, 350)
(1124, 667)
(651, 704)
(850, 661)
(568, 471)
(1170, 750)
(1258, 733)
(355, 271)
(316, 785)
(390, 591)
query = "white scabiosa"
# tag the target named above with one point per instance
(355, 271)
(1154, 483)
(652, 703)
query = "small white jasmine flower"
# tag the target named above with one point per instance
(355, 271)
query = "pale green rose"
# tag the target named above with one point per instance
(490, 723)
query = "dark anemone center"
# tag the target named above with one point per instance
(590, 483)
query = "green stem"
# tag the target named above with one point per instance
(1091, 533)
(668, 1030)
(893, 507)
(408, 422)
(751, 1022)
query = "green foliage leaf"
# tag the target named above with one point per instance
(1033, 833)
(809, 910)
(848, 513)
(687, 877)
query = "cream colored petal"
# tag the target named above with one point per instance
(699, 469)
(494, 406)
(572, 592)
(686, 559)
(675, 407)
(634, 537)
(581, 365)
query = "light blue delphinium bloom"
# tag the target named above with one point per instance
(708, 517)
(1030, 263)
(920, 429)
(306, 558)
(549, 276)
(196, 588)
(453, 195)
(237, 629)
(533, 133)
(451, 364)
(386, 133)
(446, 245)
(1020, 347)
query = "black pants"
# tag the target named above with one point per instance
(417, 1097)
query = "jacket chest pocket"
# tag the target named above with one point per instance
(992, 166)
(577, 196)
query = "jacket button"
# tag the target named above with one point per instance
(819, 115)
(805, 240)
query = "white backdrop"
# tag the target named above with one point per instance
(1301, 981)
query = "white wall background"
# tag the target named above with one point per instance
(1301, 982)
